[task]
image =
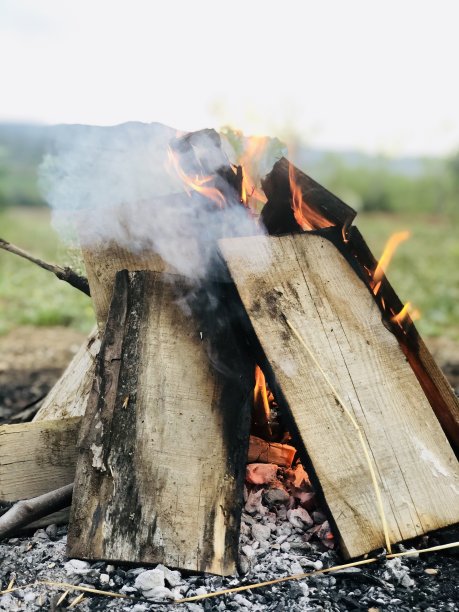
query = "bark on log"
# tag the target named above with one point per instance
(305, 278)
(163, 444)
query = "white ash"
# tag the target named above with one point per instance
(270, 547)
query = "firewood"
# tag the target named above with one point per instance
(277, 214)
(261, 451)
(36, 457)
(305, 279)
(163, 445)
(69, 396)
(26, 511)
(66, 274)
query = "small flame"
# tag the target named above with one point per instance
(386, 257)
(260, 394)
(403, 314)
(249, 160)
(306, 217)
(198, 184)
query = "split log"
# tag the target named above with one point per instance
(306, 279)
(277, 214)
(36, 457)
(163, 446)
(69, 396)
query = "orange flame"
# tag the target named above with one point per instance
(403, 314)
(197, 184)
(386, 257)
(260, 392)
(306, 217)
(249, 160)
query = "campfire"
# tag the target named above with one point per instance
(264, 331)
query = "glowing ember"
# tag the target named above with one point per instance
(198, 184)
(386, 257)
(305, 216)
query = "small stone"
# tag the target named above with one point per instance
(40, 536)
(431, 571)
(110, 569)
(243, 601)
(253, 504)
(139, 608)
(201, 591)
(406, 581)
(285, 546)
(299, 517)
(158, 592)
(296, 568)
(77, 567)
(51, 531)
(244, 564)
(104, 579)
(149, 580)
(318, 517)
(276, 496)
(248, 551)
(173, 578)
(260, 532)
(261, 473)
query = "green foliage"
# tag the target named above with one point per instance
(29, 295)
(424, 270)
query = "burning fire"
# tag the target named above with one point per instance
(389, 250)
(260, 394)
(403, 314)
(250, 158)
(306, 217)
(198, 184)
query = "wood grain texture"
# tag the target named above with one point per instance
(36, 458)
(69, 396)
(305, 278)
(164, 441)
(103, 262)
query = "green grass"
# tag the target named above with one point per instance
(425, 271)
(29, 295)
(425, 268)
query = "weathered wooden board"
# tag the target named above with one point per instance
(306, 279)
(69, 396)
(103, 262)
(37, 457)
(163, 444)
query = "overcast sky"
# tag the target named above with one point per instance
(372, 75)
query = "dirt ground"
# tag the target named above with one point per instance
(31, 360)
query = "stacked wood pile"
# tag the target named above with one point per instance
(161, 398)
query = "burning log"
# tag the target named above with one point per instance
(164, 440)
(296, 202)
(305, 280)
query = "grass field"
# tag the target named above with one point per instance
(425, 271)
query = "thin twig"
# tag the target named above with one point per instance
(357, 428)
(28, 510)
(66, 274)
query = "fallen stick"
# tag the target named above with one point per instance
(65, 274)
(28, 510)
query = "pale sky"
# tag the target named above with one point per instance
(354, 74)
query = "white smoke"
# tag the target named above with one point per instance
(114, 184)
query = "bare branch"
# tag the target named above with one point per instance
(65, 274)
(26, 511)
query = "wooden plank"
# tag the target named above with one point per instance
(37, 457)
(69, 396)
(104, 261)
(306, 279)
(163, 445)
